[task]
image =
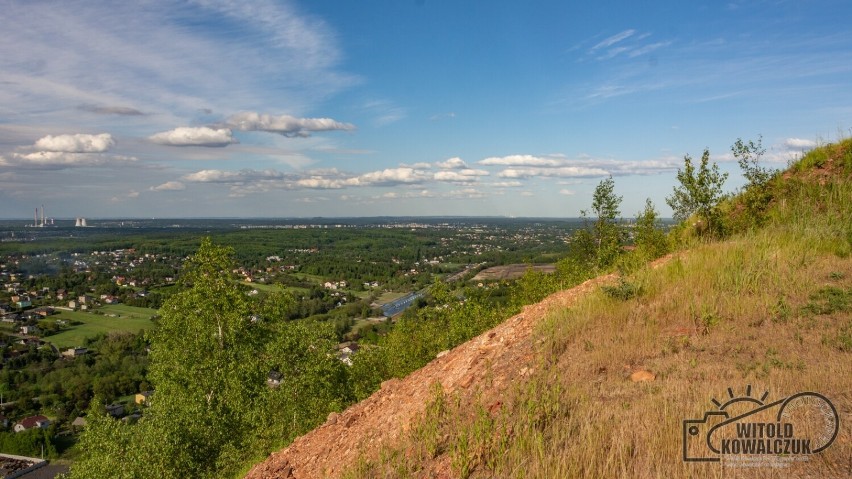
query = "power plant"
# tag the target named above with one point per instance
(40, 220)
(44, 220)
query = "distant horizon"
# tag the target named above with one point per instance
(301, 109)
(292, 217)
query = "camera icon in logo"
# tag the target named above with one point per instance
(696, 437)
(802, 424)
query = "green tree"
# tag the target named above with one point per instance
(756, 194)
(699, 193)
(207, 376)
(599, 245)
(749, 156)
(210, 357)
(649, 237)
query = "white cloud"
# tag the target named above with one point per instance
(527, 193)
(521, 160)
(169, 186)
(63, 55)
(195, 136)
(57, 160)
(557, 166)
(799, 144)
(566, 192)
(419, 165)
(389, 177)
(507, 184)
(608, 42)
(79, 143)
(465, 175)
(219, 176)
(286, 125)
(647, 49)
(321, 183)
(451, 164)
(562, 172)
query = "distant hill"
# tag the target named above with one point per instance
(594, 383)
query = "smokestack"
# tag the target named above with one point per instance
(35, 218)
(42, 216)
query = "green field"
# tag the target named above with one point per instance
(126, 318)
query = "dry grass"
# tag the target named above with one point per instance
(769, 311)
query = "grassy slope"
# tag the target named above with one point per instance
(770, 309)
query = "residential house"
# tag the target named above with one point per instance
(144, 398)
(31, 330)
(72, 353)
(115, 410)
(24, 302)
(32, 422)
(44, 311)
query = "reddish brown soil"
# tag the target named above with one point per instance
(504, 353)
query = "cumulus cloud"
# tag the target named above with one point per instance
(562, 172)
(169, 186)
(195, 136)
(219, 176)
(451, 164)
(286, 125)
(799, 144)
(79, 143)
(522, 160)
(459, 175)
(58, 160)
(320, 183)
(389, 177)
(557, 166)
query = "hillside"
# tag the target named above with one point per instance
(596, 382)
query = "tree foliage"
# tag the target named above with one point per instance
(599, 244)
(650, 240)
(756, 194)
(699, 193)
(212, 409)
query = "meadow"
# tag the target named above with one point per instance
(109, 318)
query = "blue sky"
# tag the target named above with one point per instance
(393, 107)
